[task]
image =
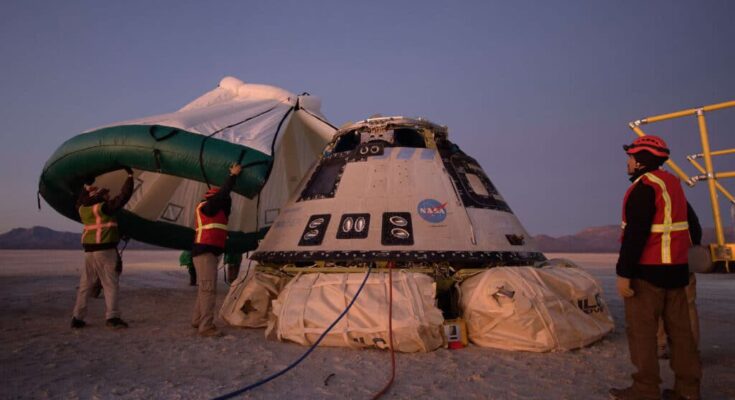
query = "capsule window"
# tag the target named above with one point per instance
(476, 184)
(476, 180)
(408, 138)
(325, 180)
(347, 142)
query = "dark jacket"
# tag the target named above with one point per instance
(219, 202)
(639, 213)
(109, 207)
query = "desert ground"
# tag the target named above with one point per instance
(161, 357)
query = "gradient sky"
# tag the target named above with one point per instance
(539, 92)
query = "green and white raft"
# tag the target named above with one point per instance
(276, 135)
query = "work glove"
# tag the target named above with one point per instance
(128, 170)
(623, 285)
(235, 169)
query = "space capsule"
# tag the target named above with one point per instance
(397, 189)
(394, 192)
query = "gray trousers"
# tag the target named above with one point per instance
(206, 267)
(99, 264)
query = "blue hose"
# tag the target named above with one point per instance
(303, 356)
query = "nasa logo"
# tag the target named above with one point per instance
(432, 210)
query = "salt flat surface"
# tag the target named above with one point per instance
(161, 357)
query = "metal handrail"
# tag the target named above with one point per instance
(720, 251)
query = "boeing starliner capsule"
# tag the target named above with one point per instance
(397, 239)
(396, 189)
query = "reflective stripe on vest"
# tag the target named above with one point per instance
(676, 226)
(102, 224)
(665, 216)
(210, 230)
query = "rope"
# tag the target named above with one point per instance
(225, 270)
(303, 356)
(204, 141)
(273, 147)
(319, 118)
(250, 262)
(157, 158)
(119, 265)
(125, 240)
(390, 333)
(152, 129)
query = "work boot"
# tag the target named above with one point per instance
(629, 394)
(211, 332)
(671, 394)
(77, 323)
(116, 323)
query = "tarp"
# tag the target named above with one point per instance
(311, 302)
(276, 134)
(554, 308)
(248, 302)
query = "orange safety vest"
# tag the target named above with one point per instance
(669, 240)
(211, 231)
(99, 227)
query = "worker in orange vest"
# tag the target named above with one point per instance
(653, 271)
(99, 240)
(211, 217)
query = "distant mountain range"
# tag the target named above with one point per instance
(40, 237)
(600, 239)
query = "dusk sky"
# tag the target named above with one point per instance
(539, 92)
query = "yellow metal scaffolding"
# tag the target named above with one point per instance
(719, 251)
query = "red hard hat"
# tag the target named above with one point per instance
(652, 144)
(211, 192)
